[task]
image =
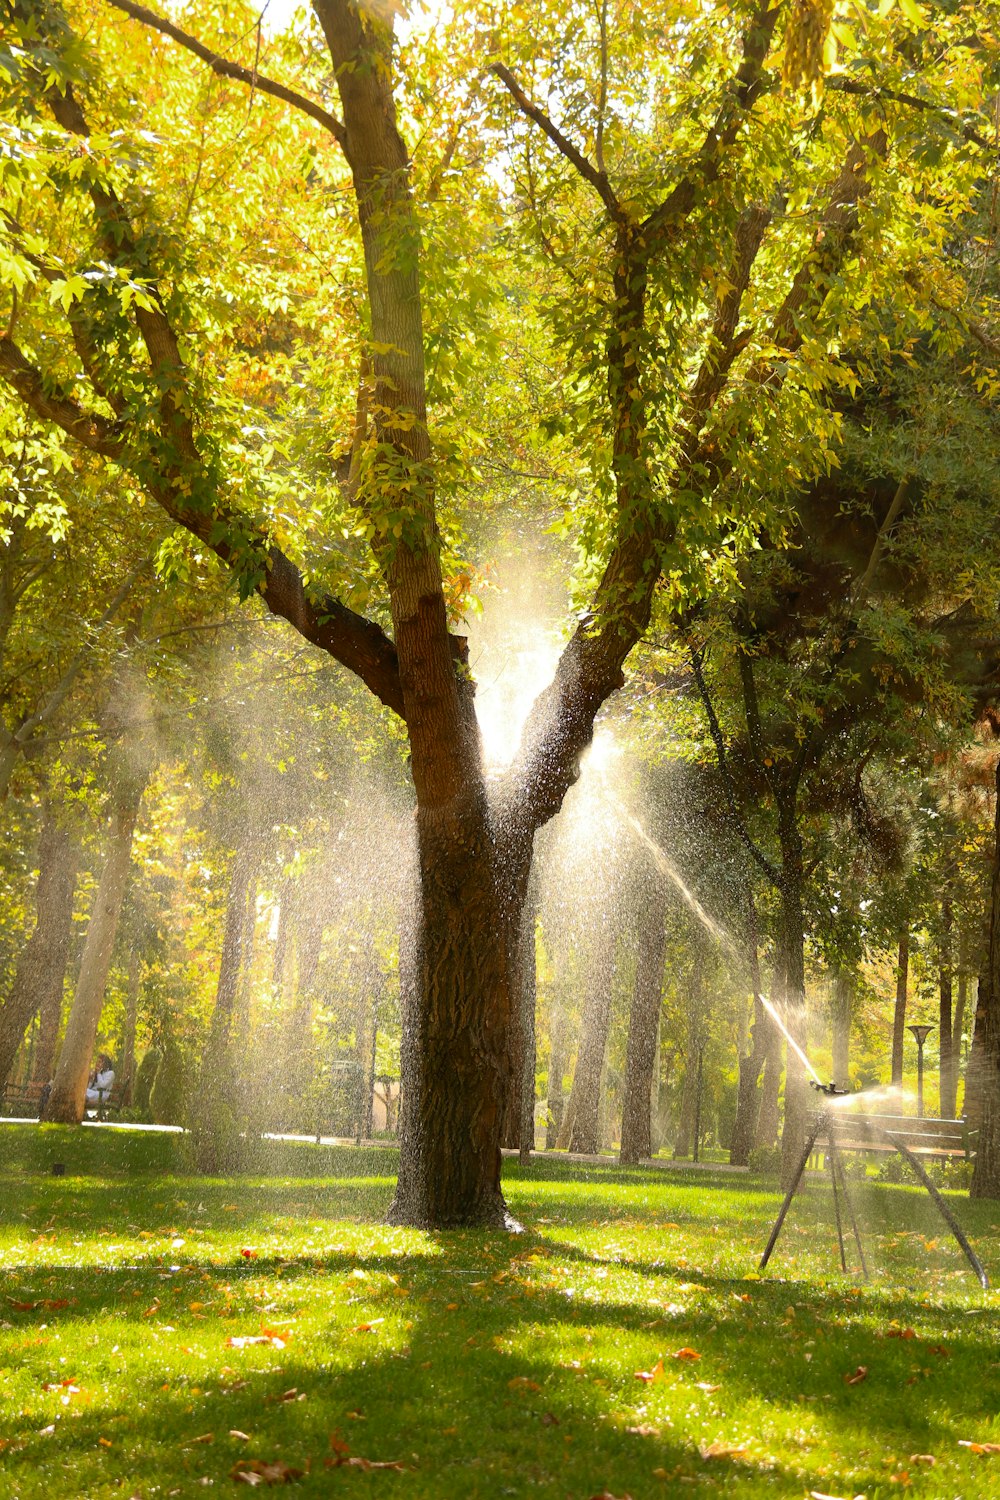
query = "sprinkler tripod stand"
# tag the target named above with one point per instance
(822, 1134)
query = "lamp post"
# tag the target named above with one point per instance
(921, 1033)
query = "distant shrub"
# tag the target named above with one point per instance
(144, 1079)
(167, 1102)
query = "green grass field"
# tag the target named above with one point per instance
(160, 1329)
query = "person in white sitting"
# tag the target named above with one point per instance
(101, 1080)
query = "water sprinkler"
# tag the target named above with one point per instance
(822, 1135)
(830, 1089)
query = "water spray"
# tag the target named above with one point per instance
(822, 1129)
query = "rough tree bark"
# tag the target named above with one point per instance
(41, 964)
(986, 1173)
(899, 1010)
(948, 1081)
(67, 1100)
(644, 1014)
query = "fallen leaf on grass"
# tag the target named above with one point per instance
(685, 1353)
(923, 1458)
(21, 1306)
(656, 1373)
(861, 1373)
(47, 1431)
(522, 1383)
(721, 1449)
(206, 1437)
(369, 1327)
(900, 1333)
(607, 1495)
(643, 1429)
(293, 1395)
(249, 1254)
(153, 1309)
(705, 1385)
(979, 1447)
(105, 1442)
(258, 1471)
(243, 1437)
(342, 1458)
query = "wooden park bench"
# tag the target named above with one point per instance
(919, 1135)
(20, 1100)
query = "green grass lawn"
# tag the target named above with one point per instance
(482, 1364)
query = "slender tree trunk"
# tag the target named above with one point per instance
(843, 1002)
(643, 1029)
(794, 991)
(948, 1082)
(767, 1118)
(232, 961)
(751, 1063)
(958, 1029)
(974, 1068)
(41, 964)
(986, 1174)
(899, 1011)
(557, 1069)
(67, 1100)
(127, 1063)
(585, 1096)
(689, 1099)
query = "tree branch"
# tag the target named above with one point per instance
(742, 92)
(226, 69)
(841, 84)
(718, 739)
(583, 165)
(93, 431)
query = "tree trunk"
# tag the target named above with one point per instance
(793, 1000)
(843, 1000)
(689, 1100)
(67, 1100)
(986, 1173)
(974, 1067)
(585, 1095)
(958, 1029)
(748, 1096)
(41, 964)
(557, 1069)
(233, 959)
(643, 1029)
(948, 1083)
(127, 1063)
(767, 1119)
(899, 1011)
